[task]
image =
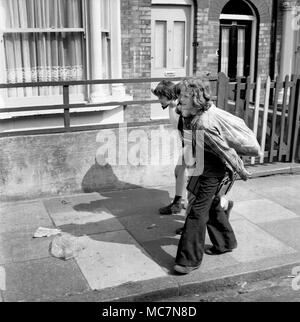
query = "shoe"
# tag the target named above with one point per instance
(179, 231)
(229, 208)
(173, 208)
(213, 251)
(184, 269)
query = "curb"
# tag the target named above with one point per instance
(168, 287)
(265, 170)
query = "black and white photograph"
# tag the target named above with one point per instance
(150, 153)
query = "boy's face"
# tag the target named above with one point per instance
(164, 101)
(186, 104)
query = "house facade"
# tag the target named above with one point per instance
(53, 40)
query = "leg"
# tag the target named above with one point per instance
(219, 229)
(191, 245)
(180, 177)
(190, 199)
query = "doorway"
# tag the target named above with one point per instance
(171, 43)
(238, 37)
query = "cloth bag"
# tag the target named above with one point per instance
(232, 129)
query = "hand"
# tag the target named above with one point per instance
(173, 104)
(245, 175)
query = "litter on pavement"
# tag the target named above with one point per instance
(67, 246)
(46, 232)
(152, 226)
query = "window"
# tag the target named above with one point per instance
(43, 41)
(57, 40)
(105, 40)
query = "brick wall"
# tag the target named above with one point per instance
(208, 14)
(136, 44)
(136, 53)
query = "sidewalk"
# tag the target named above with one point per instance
(131, 248)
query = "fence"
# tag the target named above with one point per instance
(270, 109)
(275, 121)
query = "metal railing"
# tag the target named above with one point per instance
(276, 125)
(66, 105)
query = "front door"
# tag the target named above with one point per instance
(170, 47)
(235, 48)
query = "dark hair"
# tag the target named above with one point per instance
(200, 91)
(165, 88)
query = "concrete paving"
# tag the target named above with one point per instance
(130, 248)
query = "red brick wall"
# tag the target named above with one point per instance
(136, 53)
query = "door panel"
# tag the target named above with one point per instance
(179, 44)
(170, 46)
(160, 46)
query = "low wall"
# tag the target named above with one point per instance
(109, 159)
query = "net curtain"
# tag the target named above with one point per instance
(43, 56)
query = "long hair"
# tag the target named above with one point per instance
(165, 88)
(200, 91)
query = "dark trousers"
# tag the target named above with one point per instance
(204, 213)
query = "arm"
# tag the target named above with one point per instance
(173, 115)
(222, 150)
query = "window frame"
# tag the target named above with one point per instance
(74, 98)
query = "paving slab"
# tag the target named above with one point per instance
(150, 226)
(286, 230)
(114, 258)
(254, 243)
(21, 246)
(262, 210)
(164, 250)
(56, 204)
(23, 216)
(241, 191)
(42, 279)
(81, 218)
(2, 281)
(271, 182)
(287, 197)
(131, 202)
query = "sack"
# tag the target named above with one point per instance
(66, 246)
(233, 130)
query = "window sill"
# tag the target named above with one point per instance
(55, 100)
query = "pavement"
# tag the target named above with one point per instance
(130, 248)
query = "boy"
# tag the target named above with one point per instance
(166, 91)
(202, 212)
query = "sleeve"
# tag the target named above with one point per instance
(220, 147)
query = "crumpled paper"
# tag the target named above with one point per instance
(46, 232)
(67, 246)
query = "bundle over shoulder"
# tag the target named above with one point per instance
(232, 129)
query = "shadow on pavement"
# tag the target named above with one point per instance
(135, 208)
